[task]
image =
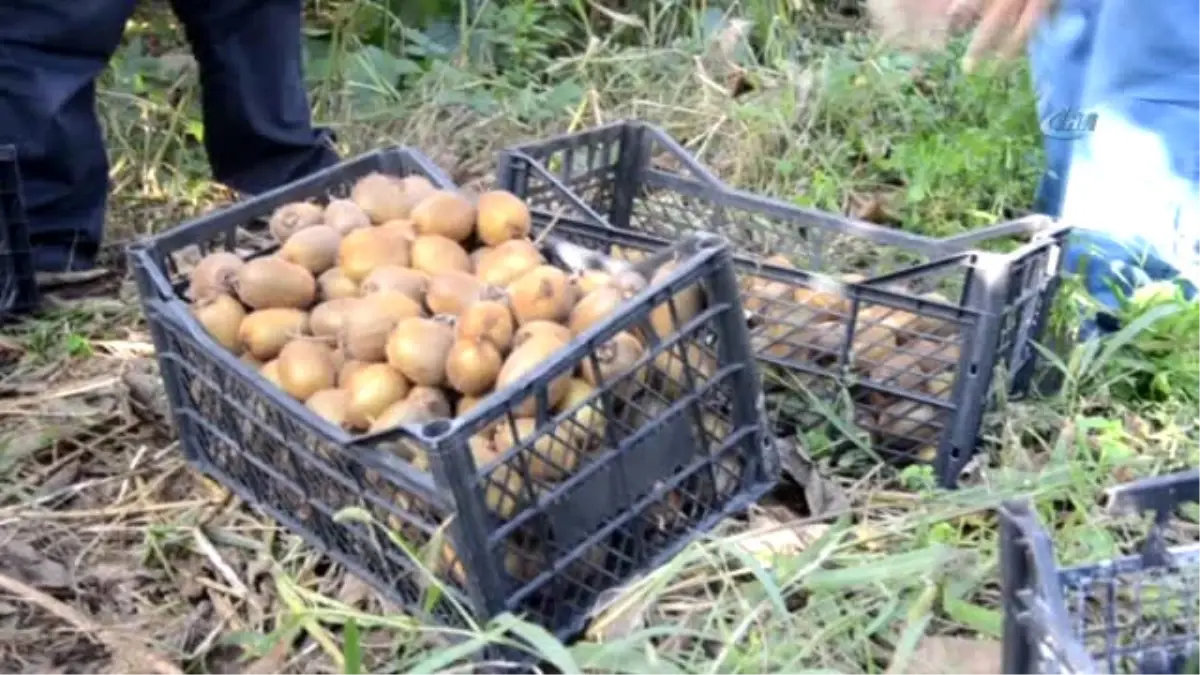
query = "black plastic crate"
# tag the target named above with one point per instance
(18, 285)
(684, 443)
(825, 331)
(1132, 614)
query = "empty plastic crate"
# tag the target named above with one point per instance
(1132, 614)
(674, 445)
(18, 285)
(905, 351)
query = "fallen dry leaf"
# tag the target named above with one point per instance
(966, 656)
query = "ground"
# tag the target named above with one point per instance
(118, 557)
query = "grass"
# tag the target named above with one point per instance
(106, 520)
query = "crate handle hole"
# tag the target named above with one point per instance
(436, 429)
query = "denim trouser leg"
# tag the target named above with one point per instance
(1131, 187)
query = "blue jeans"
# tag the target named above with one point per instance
(1118, 86)
(257, 127)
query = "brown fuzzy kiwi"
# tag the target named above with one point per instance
(508, 261)
(395, 278)
(434, 254)
(291, 218)
(935, 357)
(348, 369)
(549, 459)
(265, 332)
(899, 370)
(313, 248)
(416, 189)
(368, 323)
(363, 251)
(542, 293)
(345, 216)
(334, 284)
(525, 358)
(489, 320)
(478, 254)
(586, 426)
(306, 367)
(213, 275)
(466, 403)
(330, 405)
(699, 362)
(615, 358)
(472, 366)
(453, 291)
(417, 347)
(830, 303)
(594, 308)
(431, 398)
(445, 213)
(267, 283)
(549, 329)
(502, 216)
(406, 412)
(687, 302)
(327, 319)
(270, 370)
(590, 280)
(380, 196)
(400, 227)
(222, 316)
(373, 388)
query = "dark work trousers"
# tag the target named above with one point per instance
(258, 130)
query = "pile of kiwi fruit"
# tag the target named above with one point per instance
(891, 346)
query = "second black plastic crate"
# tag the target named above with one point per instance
(1132, 614)
(904, 350)
(674, 444)
(18, 285)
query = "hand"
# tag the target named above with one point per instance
(1004, 29)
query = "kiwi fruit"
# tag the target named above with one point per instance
(372, 389)
(391, 304)
(381, 197)
(416, 189)
(395, 278)
(313, 248)
(291, 218)
(935, 357)
(330, 405)
(829, 303)
(334, 284)
(453, 291)
(221, 315)
(489, 320)
(270, 283)
(543, 293)
(615, 357)
(502, 216)
(478, 254)
(549, 460)
(328, 318)
(430, 398)
(687, 302)
(365, 331)
(400, 227)
(899, 370)
(417, 347)
(404, 412)
(345, 216)
(524, 359)
(306, 367)
(508, 261)
(549, 329)
(249, 360)
(587, 424)
(674, 368)
(270, 370)
(265, 332)
(590, 280)
(348, 369)
(466, 403)
(594, 308)
(215, 274)
(434, 254)
(445, 213)
(363, 251)
(472, 366)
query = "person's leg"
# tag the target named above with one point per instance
(50, 54)
(258, 128)
(1134, 184)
